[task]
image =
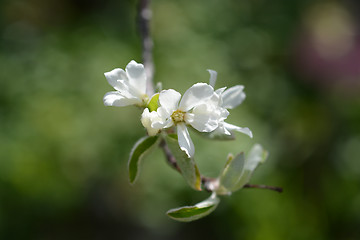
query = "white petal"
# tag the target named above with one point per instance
(137, 76)
(169, 100)
(118, 100)
(220, 90)
(231, 128)
(203, 118)
(184, 140)
(195, 95)
(233, 96)
(147, 119)
(114, 76)
(162, 119)
(213, 76)
(220, 130)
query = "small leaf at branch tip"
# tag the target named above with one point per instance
(256, 156)
(232, 174)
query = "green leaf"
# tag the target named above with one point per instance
(187, 165)
(154, 102)
(191, 213)
(141, 148)
(231, 174)
(256, 156)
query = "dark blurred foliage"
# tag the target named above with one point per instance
(63, 155)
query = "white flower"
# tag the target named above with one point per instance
(130, 86)
(227, 99)
(193, 109)
(147, 118)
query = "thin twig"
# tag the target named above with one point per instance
(144, 17)
(207, 182)
(277, 189)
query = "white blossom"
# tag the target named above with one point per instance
(130, 86)
(194, 109)
(227, 99)
(147, 118)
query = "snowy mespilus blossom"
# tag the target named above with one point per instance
(193, 109)
(130, 86)
(227, 99)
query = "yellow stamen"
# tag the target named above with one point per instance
(178, 116)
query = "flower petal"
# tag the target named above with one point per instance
(115, 75)
(184, 140)
(203, 118)
(232, 97)
(195, 95)
(169, 100)
(147, 119)
(116, 99)
(220, 90)
(213, 76)
(162, 119)
(231, 127)
(137, 76)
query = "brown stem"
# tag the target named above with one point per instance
(277, 189)
(207, 182)
(144, 17)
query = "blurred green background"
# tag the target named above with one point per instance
(63, 155)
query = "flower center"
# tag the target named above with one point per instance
(178, 116)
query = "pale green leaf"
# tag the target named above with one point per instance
(141, 148)
(231, 174)
(187, 165)
(191, 213)
(154, 102)
(256, 156)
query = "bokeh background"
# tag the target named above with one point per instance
(63, 155)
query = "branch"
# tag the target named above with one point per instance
(144, 17)
(277, 189)
(207, 182)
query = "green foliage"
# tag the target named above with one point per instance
(191, 213)
(256, 156)
(187, 165)
(238, 170)
(140, 150)
(231, 174)
(154, 102)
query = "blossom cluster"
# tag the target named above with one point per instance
(201, 107)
